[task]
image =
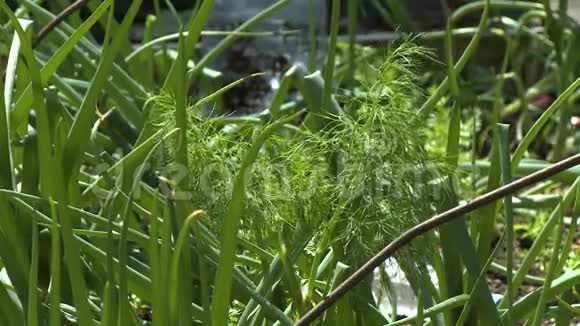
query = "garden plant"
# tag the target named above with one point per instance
(130, 195)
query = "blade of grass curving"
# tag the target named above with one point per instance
(540, 122)
(44, 147)
(147, 45)
(130, 161)
(174, 268)
(6, 176)
(526, 167)
(55, 270)
(281, 94)
(11, 66)
(38, 104)
(56, 60)
(223, 280)
(135, 235)
(80, 131)
(504, 154)
(89, 53)
(224, 89)
(137, 282)
(447, 305)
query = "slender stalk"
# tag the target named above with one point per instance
(352, 29)
(508, 206)
(331, 55)
(312, 34)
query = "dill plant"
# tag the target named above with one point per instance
(364, 177)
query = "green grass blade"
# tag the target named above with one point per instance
(56, 60)
(6, 176)
(213, 96)
(535, 129)
(570, 237)
(196, 25)
(487, 215)
(174, 268)
(504, 153)
(529, 303)
(479, 282)
(312, 55)
(11, 65)
(331, 56)
(486, 312)
(552, 267)
(32, 317)
(223, 280)
(543, 236)
(80, 130)
(470, 50)
(108, 317)
(446, 305)
(179, 88)
(55, 268)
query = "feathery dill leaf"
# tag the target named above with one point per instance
(383, 182)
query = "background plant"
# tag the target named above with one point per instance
(123, 192)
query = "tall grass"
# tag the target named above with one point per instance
(120, 194)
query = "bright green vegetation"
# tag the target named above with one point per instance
(123, 189)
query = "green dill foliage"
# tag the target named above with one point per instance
(288, 185)
(385, 173)
(379, 187)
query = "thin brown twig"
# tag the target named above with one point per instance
(429, 225)
(57, 20)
